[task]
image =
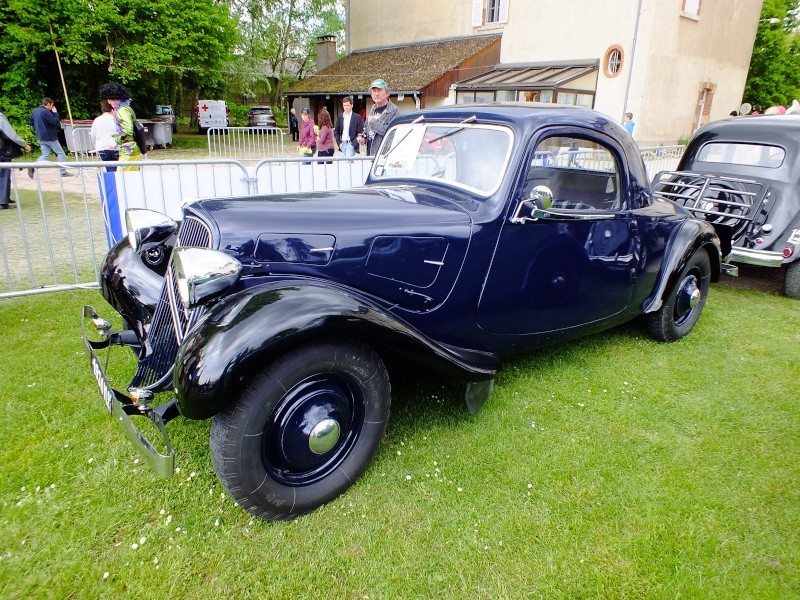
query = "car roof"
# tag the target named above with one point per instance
(527, 117)
(759, 128)
(777, 130)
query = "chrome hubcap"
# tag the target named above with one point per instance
(323, 436)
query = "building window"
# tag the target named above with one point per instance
(691, 7)
(486, 12)
(612, 61)
(506, 95)
(492, 11)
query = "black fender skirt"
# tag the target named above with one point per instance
(241, 335)
(693, 235)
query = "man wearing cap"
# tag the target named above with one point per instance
(379, 117)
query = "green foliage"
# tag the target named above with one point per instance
(278, 42)
(155, 47)
(774, 75)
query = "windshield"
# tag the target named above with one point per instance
(464, 154)
(261, 110)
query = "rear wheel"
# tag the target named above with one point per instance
(680, 311)
(304, 430)
(791, 285)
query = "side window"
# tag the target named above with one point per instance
(582, 174)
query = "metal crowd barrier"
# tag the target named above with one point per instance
(59, 231)
(245, 143)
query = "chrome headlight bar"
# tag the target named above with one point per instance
(148, 228)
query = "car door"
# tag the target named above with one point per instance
(568, 250)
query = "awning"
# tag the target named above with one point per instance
(530, 76)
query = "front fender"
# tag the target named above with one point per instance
(692, 236)
(248, 330)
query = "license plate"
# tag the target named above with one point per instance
(106, 391)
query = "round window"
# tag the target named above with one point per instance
(612, 61)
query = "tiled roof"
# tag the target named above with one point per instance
(407, 69)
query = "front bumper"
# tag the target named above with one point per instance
(122, 407)
(759, 258)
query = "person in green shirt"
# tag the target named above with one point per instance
(118, 97)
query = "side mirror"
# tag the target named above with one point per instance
(541, 197)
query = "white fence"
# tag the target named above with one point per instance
(61, 227)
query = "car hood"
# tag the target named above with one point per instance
(405, 244)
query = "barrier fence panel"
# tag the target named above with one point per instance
(286, 175)
(245, 143)
(60, 228)
(661, 158)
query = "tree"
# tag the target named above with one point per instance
(150, 45)
(774, 75)
(278, 40)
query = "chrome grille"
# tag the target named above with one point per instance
(170, 320)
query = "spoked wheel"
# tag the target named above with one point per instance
(304, 430)
(676, 318)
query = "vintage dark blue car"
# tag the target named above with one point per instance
(743, 176)
(482, 231)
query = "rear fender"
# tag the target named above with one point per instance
(244, 333)
(692, 236)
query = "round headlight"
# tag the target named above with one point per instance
(202, 273)
(148, 228)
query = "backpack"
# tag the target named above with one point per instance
(139, 136)
(8, 148)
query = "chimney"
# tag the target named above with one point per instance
(326, 51)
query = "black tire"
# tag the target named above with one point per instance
(791, 285)
(334, 395)
(680, 311)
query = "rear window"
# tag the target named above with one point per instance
(261, 110)
(737, 153)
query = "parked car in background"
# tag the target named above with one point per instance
(211, 113)
(260, 116)
(482, 231)
(165, 113)
(743, 176)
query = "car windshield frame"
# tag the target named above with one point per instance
(472, 156)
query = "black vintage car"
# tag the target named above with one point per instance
(743, 176)
(482, 231)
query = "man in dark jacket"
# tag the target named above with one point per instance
(294, 125)
(11, 145)
(349, 126)
(45, 121)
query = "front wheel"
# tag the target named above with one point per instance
(304, 429)
(680, 311)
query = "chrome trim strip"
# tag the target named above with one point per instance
(760, 258)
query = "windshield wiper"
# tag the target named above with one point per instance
(394, 147)
(455, 130)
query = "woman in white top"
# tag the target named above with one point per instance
(102, 133)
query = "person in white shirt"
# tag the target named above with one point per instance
(104, 128)
(349, 126)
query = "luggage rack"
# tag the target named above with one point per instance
(719, 199)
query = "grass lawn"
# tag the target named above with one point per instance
(613, 467)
